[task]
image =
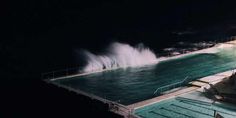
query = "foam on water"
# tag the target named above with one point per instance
(119, 55)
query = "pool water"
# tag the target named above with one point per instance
(184, 107)
(132, 85)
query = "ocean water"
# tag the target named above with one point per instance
(130, 85)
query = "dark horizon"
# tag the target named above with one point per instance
(61, 27)
(41, 36)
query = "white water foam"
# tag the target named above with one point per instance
(96, 63)
(119, 55)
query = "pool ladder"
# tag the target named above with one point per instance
(162, 89)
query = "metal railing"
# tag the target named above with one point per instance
(61, 73)
(162, 89)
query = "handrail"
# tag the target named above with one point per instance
(174, 85)
(60, 73)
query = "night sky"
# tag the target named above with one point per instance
(44, 35)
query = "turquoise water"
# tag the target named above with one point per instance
(131, 85)
(186, 108)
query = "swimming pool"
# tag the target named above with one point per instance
(191, 105)
(130, 85)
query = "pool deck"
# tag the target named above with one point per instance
(212, 79)
(194, 86)
(160, 98)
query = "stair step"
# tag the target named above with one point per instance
(197, 83)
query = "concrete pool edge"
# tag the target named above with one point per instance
(160, 98)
